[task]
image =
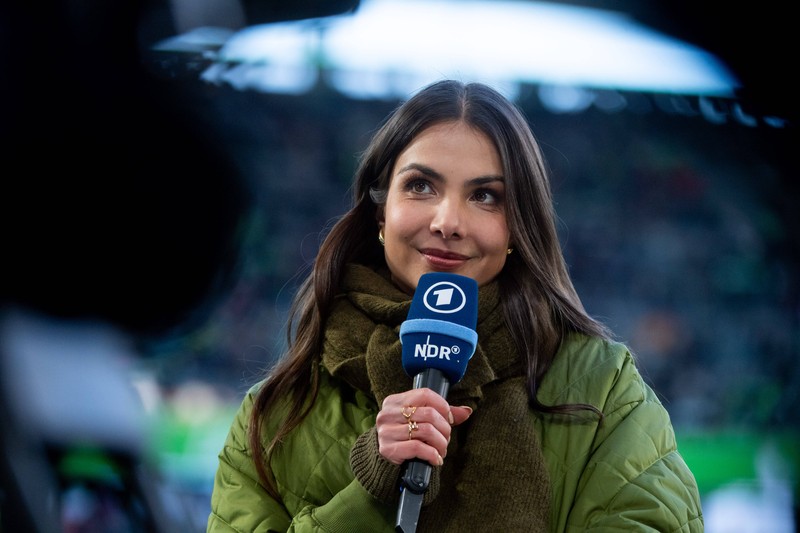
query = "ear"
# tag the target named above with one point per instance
(379, 216)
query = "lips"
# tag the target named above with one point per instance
(443, 259)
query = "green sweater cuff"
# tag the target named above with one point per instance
(380, 477)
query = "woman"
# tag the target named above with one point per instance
(551, 428)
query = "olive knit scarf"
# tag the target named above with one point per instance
(494, 477)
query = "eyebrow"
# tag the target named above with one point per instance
(429, 172)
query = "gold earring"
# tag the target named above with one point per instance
(508, 252)
(380, 237)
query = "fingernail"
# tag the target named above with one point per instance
(467, 407)
(441, 461)
(450, 417)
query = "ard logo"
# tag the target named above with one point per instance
(444, 297)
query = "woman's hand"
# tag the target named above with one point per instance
(417, 424)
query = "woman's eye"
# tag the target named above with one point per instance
(485, 196)
(420, 186)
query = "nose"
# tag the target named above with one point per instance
(447, 220)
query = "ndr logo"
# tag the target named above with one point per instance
(444, 297)
(434, 351)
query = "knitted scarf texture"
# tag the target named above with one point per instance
(494, 477)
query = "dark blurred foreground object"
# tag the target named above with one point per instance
(119, 219)
(115, 206)
(117, 202)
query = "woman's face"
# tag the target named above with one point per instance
(445, 209)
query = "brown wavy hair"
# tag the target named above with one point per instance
(539, 300)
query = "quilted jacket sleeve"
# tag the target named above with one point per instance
(625, 474)
(240, 503)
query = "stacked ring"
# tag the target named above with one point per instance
(412, 426)
(411, 411)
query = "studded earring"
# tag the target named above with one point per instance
(380, 237)
(508, 252)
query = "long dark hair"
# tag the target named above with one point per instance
(539, 300)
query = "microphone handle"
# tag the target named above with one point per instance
(433, 379)
(417, 474)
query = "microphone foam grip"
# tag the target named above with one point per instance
(440, 330)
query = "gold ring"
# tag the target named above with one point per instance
(412, 426)
(409, 414)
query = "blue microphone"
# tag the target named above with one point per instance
(438, 339)
(439, 333)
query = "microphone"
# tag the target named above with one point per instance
(438, 339)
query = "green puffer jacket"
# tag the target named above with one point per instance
(625, 475)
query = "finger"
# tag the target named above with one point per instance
(407, 405)
(436, 435)
(425, 453)
(399, 443)
(428, 434)
(428, 424)
(460, 413)
(434, 422)
(400, 452)
(429, 398)
(416, 397)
